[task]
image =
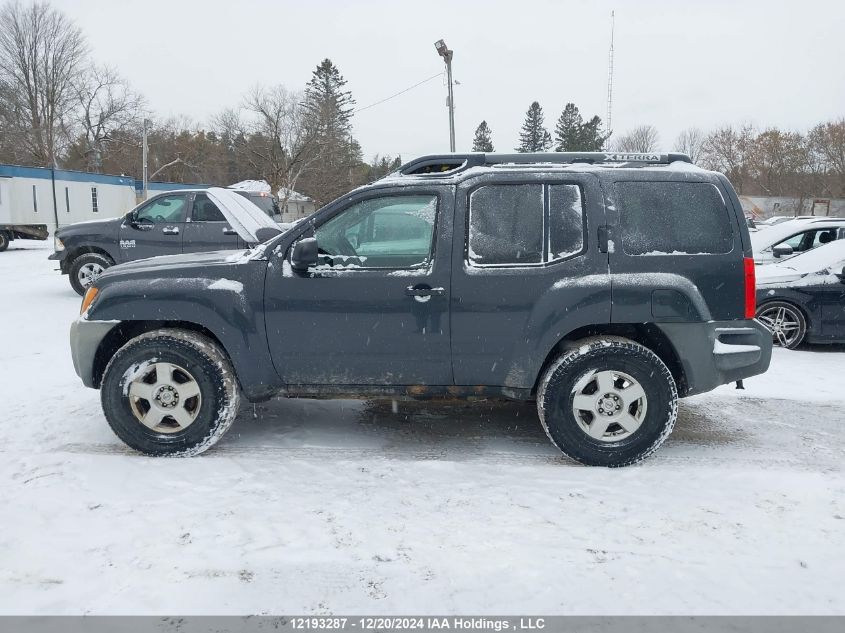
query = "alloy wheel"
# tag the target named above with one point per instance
(164, 397)
(783, 323)
(609, 405)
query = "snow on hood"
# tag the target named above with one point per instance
(241, 214)
(816, 261)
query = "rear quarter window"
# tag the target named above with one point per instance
(664, 218)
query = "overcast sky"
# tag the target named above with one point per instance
(677, 64)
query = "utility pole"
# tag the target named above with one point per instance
(446, 54)
(144, 153)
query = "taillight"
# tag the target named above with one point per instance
(750, 288)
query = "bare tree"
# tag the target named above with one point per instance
(270, 134)
(727, 149)
(641, 139)
(108, 106)
(41, 56)
(777, 162)
(691, 142)
(827, 145)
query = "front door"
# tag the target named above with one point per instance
(375, 310)
(207, 228)
(154, 228)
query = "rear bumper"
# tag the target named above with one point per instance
(85, 339)
(719, 352)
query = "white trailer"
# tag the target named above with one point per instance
(35, 201)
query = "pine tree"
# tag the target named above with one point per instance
(327, 106)
(568, 129)
(534, 137)
(592, 137)
(483, 141)
(574, 135)
(334, 156)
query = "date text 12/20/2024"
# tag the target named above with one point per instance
(434, 623)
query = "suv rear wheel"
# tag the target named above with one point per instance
(170, 392)
(609, 402)
(85, 270)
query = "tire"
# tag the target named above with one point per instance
(598, 373)
(4, 241)
(85, 269)
(785, 321)
(137, 393)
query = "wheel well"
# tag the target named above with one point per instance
(83, 250)
(645, 334)
(128, 330)
(794, 304)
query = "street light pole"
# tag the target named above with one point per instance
(145, 152)
(447, 54)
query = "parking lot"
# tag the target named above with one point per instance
(354, 507)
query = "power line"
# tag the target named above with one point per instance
(367, 107)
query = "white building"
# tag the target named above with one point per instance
(40, 196)
(56, 197)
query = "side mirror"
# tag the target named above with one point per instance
(782, 250)
(304, 254)
(266, 233)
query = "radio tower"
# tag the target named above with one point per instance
(610, 74)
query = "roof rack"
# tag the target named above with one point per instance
(448, 164)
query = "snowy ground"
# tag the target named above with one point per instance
(345, 507)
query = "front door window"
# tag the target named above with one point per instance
(393, 232)
(164, 210)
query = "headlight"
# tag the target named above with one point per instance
(88, 299)
(57, 244)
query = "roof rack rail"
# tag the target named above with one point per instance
(448, 164)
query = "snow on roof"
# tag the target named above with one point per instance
(262, 186)
(784, 230)
(251, 185)
(812, 261)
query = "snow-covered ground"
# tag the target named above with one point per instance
(346, 507)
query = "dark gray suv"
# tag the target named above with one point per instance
(603, 286)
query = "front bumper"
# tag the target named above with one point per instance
(719, 352)
(61, 257)
(85, 339)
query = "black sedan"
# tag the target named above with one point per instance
(803, 298)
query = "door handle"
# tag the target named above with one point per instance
(229, 231)
(603, 239)
(170, 230)
(411, 291)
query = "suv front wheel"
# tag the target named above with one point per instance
(170, 392)
(85, 270)
(608, 402)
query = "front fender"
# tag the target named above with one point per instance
(231, 309)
